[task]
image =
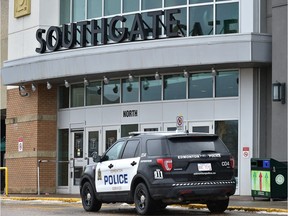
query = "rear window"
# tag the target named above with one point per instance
(154, 147)
(196, 145)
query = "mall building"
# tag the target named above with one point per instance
(87, 72)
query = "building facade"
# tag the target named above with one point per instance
(91, 71)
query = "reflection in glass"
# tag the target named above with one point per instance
(112, 7)
(130, 5)
(174, 87)
(63, 97)
(93, 93)
(228, 15)
(111, 92)
(151, 4)
(64, 11)
(199, 1)
(201, 20)
(78, 145)
(130, 91)
(111, 137)
(78, 10)
(228, 132)
(94, 8)
(201, 85)
(77, 95)
(62, 157)
(182, 17)
(169, 3)
(126, 129)
(227, 84)
(93, 139)
(150, 89)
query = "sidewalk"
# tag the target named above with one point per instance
(244, 203)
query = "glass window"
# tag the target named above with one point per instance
(93, 142)
(64, 11)
(169, 3)
(130, 5)
(201, 20)
(78, 10)
(174, 87)
(227, 16)
(201, 85)
(154, 147)
(111, 93)
(150, 89)
(126, 129)
(130, 91)
(114, 152)
(151, 4)
(77, 95)
(227, 84)
(112, 7)
(199, 1)
(62, 157)
(63, 97)
(93, 93)
(228, 132)
(182, 17)
(94, 8)
(130, 149)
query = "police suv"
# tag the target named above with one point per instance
(154, 170)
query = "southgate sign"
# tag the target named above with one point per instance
(65, 37)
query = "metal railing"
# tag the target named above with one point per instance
(6, 179)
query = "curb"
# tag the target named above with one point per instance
(241, 208)
(190, 206)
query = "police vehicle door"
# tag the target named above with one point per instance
(117, 172)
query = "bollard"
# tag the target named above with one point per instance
(6, 179)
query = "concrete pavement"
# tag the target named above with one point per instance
(244, 203)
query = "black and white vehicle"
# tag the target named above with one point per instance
(154, 170)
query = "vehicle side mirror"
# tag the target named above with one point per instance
(96, 157)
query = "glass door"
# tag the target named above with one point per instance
(110, 135)
(77, 160)
(93, 143)
(201, 127)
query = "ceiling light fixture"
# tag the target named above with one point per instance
(105, 80)
(49, 86)
(185, 74)
(157, 76)
(22, 91)
(86, 82)
(33, 87)
(130, 78)
(66, 83)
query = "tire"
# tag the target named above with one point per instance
(142, 199)
(89, 201)
(218, 206)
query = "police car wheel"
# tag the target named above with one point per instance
(142, 199)
(218, 206)
(89, 201)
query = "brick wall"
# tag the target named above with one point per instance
(33, 119)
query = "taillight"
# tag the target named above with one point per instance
(166, 163)
(232, 162)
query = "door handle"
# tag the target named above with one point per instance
(110, 166)
(133, 163)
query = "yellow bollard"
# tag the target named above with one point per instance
(6, 179)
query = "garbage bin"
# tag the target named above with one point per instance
(269, 178)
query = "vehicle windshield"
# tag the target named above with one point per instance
(196, 145)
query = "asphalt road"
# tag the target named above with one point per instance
(57, 208)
